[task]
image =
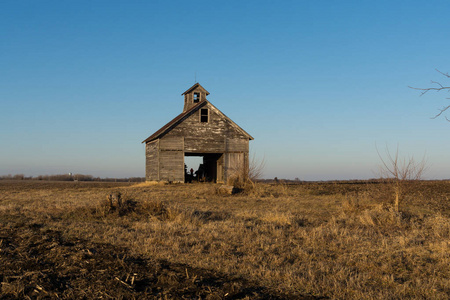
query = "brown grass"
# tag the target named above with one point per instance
(340, 241)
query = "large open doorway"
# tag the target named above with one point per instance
(203, 167)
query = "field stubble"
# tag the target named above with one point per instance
(313, 240)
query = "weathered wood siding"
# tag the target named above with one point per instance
(151, 162)
(171, 165)
(236, 144)
(218, 135)
(171, 143)
(235, 164)
(165, 160)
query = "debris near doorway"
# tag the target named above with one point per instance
(227, 190)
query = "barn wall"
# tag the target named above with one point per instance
(171, 166)
(235, 164)
(151, 162)
(165, 160)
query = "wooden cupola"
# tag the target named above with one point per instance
(195, 94)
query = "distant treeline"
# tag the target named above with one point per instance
(349, 181)
(69, 177)
(298, 181)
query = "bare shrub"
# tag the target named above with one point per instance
(256, 168)
(245, 179)
(400, 171)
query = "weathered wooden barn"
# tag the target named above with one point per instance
(200, 130)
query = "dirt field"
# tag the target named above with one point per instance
(309, 241)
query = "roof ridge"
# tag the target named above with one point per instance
(193, 87)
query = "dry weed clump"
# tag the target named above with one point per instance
(118, 205)
(438, 226)
(380, 217)
(114, 203)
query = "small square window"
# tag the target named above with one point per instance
(204, 115)
(196, 97)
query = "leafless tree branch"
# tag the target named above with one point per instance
(445, 74)
(439, 88)
(441, 111)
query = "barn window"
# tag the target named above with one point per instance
(204, 115)
(196, 97)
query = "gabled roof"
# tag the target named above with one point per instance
(181, 117)
(194, 87)
(231, 122)
(166, 128)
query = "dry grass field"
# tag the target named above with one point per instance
(307, 241)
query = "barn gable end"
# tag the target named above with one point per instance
(201, 130)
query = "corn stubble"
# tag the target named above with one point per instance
(305, 241)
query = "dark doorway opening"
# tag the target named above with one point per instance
(209, 167)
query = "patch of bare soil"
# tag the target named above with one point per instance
(38, 263)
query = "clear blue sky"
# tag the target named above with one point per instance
(317, 83)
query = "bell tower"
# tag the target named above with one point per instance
(195, 94)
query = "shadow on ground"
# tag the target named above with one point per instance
(38, 263)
